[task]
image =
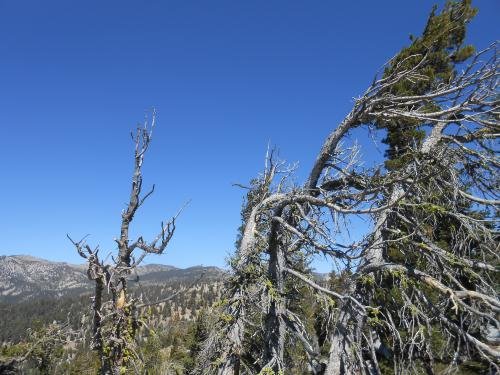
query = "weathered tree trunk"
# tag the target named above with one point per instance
(341, 361)
(275, 325)
(342, 353)
(231, 355)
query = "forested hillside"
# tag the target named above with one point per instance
(26, 315)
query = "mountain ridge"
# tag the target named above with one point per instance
(24, 277)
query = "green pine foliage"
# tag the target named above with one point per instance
(441, 46)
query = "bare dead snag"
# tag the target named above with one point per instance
(114, 311)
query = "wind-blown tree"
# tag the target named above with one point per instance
(442, 42)
(425, 276)
(115, 313)
(444, 171)
(439, 218)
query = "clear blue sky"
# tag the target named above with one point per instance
(226, 77)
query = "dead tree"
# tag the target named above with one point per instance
(446, 289)
(115, 313)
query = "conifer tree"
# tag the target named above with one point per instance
(442, 46)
